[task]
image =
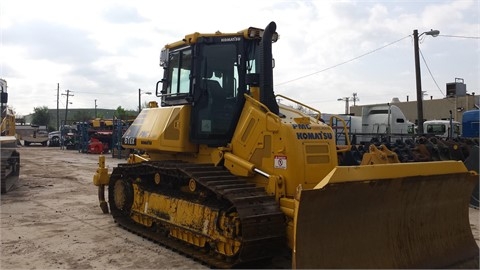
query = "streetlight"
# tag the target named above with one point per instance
(418, 78)
(140, 98)
(346, 99)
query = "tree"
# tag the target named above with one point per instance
(120, 113)
(41, 116)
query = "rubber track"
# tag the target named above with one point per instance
(263, 224)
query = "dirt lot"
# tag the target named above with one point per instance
(51, 219)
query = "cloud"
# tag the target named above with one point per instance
(107, 50)
(52, 41)
(123, 15)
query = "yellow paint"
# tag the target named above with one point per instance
(101, 177)
(161, 129)
(188, 221)
(391, 171)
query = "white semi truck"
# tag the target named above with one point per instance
(376, 121)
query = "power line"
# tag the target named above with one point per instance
(96, 93)
(345, 62)
(431, 75)
(452, 36)
(430, 72)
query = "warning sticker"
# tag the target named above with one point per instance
(280, 162)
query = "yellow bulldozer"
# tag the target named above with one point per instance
(224, 173)
(10, 157)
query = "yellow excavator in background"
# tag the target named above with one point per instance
(230, 177)
(10, 158)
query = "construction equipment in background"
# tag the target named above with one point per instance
(95, 136)
(101, 133)
(231, 177)
(386, 124)
(99, 136)
(422, 149)
(95, 146)
(10, 157)
(32, 134)
(442, 140)
(119, 128)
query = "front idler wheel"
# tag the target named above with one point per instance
(120, 197)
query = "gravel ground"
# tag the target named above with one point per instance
(51, 220)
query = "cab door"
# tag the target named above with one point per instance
(216, 91)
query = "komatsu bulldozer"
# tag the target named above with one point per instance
(225, 174)
(10, 158)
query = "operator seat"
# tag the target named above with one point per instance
(217, 95)
(218, 111)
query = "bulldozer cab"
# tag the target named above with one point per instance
(209, 74)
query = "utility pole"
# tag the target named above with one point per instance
(418, 78)
(95, 108)
(58, 111)
(139, 100)
(140, 92)
(355, 98)
(347, 100)
(66, 106)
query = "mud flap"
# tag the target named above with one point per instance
(408, 215)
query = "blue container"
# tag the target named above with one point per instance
(470, 124)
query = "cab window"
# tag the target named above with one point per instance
(176, 87)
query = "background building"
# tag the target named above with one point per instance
(455, 104)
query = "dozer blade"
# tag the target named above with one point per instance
(405, 215)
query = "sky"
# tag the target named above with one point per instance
(107, 50)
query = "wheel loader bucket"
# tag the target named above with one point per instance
(405, 215)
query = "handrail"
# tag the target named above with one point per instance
(257, 102)
(301, 104)
(345, 130)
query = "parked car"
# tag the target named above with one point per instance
(54, 138)
(65, 137)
